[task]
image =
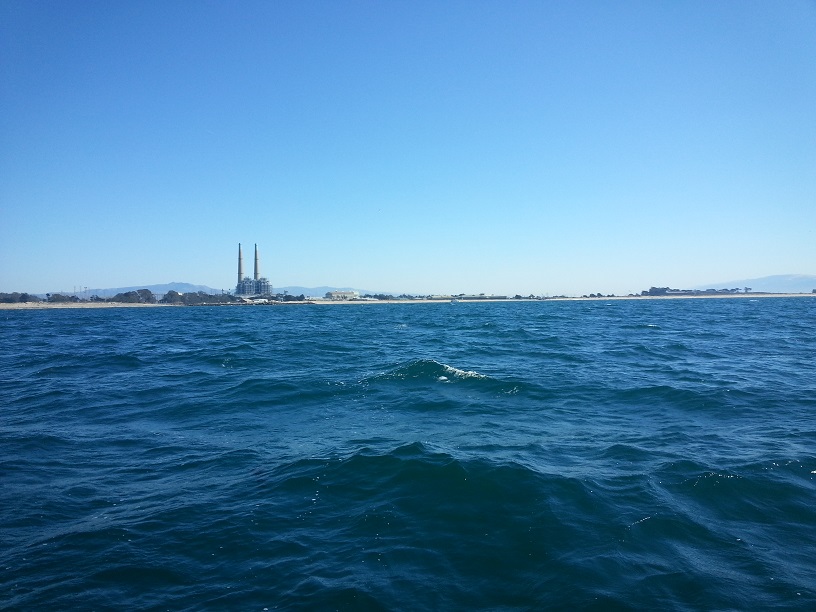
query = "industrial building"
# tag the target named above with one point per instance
(251, 286)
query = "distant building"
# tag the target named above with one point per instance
(343, 295)
(251, 286)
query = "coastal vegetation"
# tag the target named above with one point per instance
(291, 298)
(16, 298)
(669, 291)
(198, 298)
(378, 296)
(142, 296)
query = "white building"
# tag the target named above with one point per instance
(343, 295)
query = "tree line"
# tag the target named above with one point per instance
(141, 296)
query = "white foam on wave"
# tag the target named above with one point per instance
(460, 373)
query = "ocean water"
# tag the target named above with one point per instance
(595, 455)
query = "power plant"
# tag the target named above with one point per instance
(251, 286)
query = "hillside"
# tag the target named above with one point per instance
(782, 283)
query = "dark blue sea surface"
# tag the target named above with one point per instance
(507, 456)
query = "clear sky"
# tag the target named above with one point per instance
(428, 146)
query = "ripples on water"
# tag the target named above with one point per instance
(593, 455)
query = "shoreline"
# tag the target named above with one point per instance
(568, 299)
(85, 305)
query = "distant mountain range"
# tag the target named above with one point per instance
(782, 283)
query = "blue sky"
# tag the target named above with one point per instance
(425, 146)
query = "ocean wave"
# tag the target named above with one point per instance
(431, 382)
(401, 514)
(429, 370)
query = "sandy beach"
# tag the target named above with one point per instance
(570, 299)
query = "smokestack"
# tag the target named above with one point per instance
(257, 268)
(240, 265)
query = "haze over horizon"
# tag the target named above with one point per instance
(457, 147)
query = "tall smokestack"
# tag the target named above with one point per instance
(257, 267)
(240, 265)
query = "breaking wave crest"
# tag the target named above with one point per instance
(430, 370)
